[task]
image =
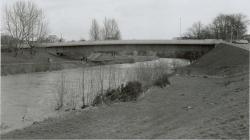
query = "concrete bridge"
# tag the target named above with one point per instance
(161, 48)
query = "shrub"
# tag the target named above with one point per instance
(162, 81)
(130, 92)
(113, 94)
(98, 100)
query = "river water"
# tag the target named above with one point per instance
(26, 98)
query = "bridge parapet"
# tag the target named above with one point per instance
(132, 42)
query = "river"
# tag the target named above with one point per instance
(26, 98)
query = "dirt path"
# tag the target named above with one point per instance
(192, 107)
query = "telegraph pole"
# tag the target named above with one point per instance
(231, 33)
(180, 28)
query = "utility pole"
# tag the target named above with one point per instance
(180, 28)
(61, 38)
(231, 33)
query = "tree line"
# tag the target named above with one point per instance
(25, 23)
(26, 26)
(225, 26)
(109, 31)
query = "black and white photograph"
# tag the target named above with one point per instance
(124, 69)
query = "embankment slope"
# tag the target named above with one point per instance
(224, 59)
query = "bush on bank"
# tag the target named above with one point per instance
(129, 92)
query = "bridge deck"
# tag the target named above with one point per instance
(133, 42)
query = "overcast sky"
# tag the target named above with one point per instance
(137, 19)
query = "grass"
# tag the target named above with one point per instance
(235, 57)
(29, 67)
(162, 81)
(38, 62)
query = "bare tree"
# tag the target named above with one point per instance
(230, 27)
(110, 30)
(225, 26)
(26, 23)
(199, 31)
(94, 32)
(195, 31)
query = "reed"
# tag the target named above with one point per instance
(60, 92)
(97, 81)
(82, 86)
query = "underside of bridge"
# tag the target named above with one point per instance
(159, 49)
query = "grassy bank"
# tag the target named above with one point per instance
(193, 107)
(225, 59)
(39, 62)
(10, 69)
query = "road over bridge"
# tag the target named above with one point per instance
(161, 48)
